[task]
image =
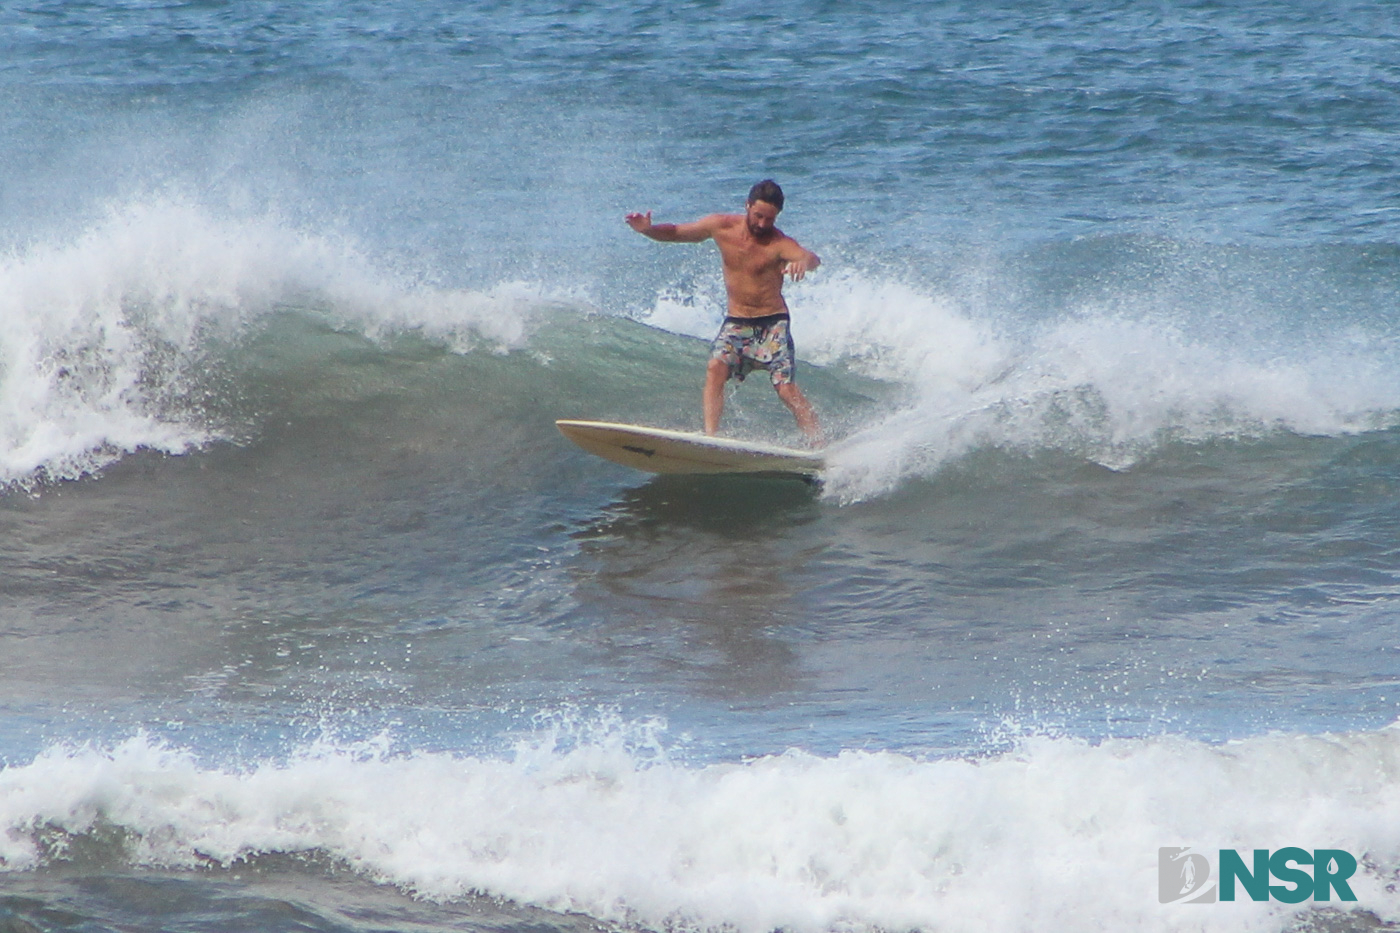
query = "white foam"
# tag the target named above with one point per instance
(1108, 382)
(1055, 835)
(695, 315)
(101, 335)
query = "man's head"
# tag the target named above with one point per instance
(765, 202)
(767, 190)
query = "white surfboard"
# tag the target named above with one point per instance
(658, 450)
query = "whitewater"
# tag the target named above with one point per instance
(613, 828)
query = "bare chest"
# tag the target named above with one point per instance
(749, 259)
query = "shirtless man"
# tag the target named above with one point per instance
(756, 255)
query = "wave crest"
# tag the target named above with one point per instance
(111, 342)
(1054, 834)
(1105, 382)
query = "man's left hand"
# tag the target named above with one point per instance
(797, 268)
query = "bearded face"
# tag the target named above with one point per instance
(759, 217)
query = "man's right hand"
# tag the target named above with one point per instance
(693, 232)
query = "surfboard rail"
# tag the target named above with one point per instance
(663, 450)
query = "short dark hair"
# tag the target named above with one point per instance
(767, 190)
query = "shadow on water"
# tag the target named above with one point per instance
(701, 575)
(741, 507)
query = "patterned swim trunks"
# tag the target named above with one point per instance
(749, 343)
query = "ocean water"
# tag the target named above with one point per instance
(310, 620)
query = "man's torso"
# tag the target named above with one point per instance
(753, 269)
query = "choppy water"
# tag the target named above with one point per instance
(309, 619)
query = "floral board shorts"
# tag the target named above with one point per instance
(749, 343)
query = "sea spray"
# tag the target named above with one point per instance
(599, 818)
(114, 340)
(1107, 382)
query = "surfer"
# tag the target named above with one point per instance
(755, 255)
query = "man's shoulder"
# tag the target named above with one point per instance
(724, 228)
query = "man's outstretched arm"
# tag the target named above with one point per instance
(694, 232)
(798, 260)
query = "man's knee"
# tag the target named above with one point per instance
(718, 369)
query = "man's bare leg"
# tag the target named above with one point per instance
(716, 375)
(801, 410)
